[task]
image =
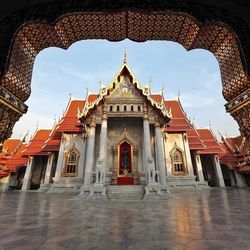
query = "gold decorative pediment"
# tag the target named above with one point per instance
(124, 86)
(125, 136)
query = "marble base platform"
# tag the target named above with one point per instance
(65, 185)
(186, 182)
(156, 191)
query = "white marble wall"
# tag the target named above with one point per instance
(67, 142)
(135, 130)
(169, 143)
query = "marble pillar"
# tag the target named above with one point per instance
(218, 171)
(167, 155)
(82, 157)
(232, 178)
(103, 136)
(88, 176)
(146, 140)
(240, 181)
(199, 167)
(159, 151)
(49, 168)
(60, 159)
(188, 155)
(28, 174)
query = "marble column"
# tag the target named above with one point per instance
(48, 168)
(218, 171)
(146, 137)
(82, 157)
(188, 155)
(103, 136)
(232, 178)
(159, 151)
(240, 181)
(88, 176)
(199, 167)
(60, 160)
(167, 155)
(28, 174)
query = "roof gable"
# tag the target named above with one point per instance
(124, 85)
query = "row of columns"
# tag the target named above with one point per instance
(159, 146)
(89, 161)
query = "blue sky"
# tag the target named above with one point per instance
(58, 72)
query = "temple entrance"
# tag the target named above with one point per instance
(125, 176)
(125, 163)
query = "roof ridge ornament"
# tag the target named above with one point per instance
(125, 56)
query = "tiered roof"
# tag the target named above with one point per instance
(210, 142)
(180, 123)
(236, 153)
(11, 156)
(44, 141)
(36, 143)
(68, 123)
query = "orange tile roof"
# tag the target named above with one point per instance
(3, 173)
(227, 157)
(69, 122)
(211, 143)
(245, 170)
(12, 158)
(17, 160)
(180, 123)
(157, 97)
(35, 145)
(9, 147)
(237, 153)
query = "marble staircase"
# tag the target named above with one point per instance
(125, 192)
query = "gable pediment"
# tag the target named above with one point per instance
(127, 89)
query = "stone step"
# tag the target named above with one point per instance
(125, 192)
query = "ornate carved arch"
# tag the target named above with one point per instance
(35, 25)
(72, 156)
(183, 169)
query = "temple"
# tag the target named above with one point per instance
(127, 141)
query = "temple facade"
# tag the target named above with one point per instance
(123, 136)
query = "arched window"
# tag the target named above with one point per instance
(178, 162)
(125, 108)
(111, 108)
(118, 108)
(71, 163)
(132, 108)
(139, 108)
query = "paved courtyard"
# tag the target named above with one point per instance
(216, 219)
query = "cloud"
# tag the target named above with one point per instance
(76, 74)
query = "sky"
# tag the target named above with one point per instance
(59, 73)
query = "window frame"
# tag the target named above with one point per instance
(73, 163)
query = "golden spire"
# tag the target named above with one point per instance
(125, 56)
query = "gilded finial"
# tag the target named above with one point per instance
(149, 82)
(125, 56)
(210, 125)
(162, 89)
(178, 94)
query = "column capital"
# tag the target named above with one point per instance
(104, 112)
(93, 122)
(157, 124)
(145, 112)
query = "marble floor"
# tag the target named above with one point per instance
(215, 219)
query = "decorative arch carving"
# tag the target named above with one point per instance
(178, 159)
(28, 29)
(71, 162)
(125, 136)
